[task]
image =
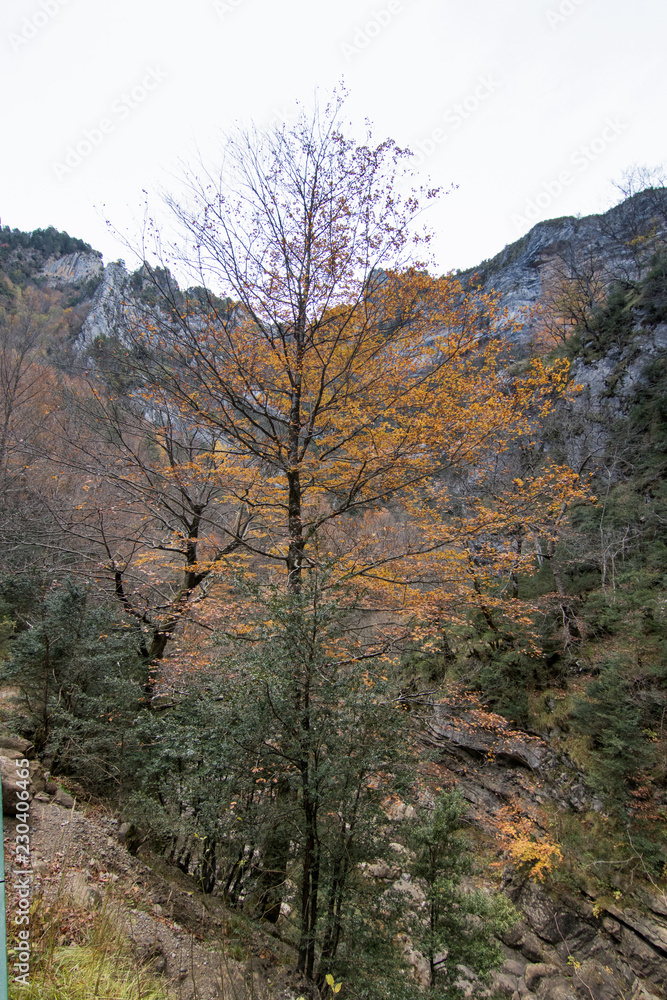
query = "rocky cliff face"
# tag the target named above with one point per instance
(74, 269)
(568, 944)
(608, 385)
(109, 308)
(519, 271)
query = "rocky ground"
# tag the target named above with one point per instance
(569, 944)
(566, 946)
(81, 867)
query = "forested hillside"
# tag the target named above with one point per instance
(343, 584)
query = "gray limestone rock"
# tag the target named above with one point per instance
(12, 791)
(64, 799)
(519, 271)
(504, 984)
(599, 982)
(73, 269)
(643, 958)
(16, 746)
(556, 988)
(536, 972)
(110, 308)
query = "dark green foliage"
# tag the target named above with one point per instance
(47, 241)
(459, 922)
(155, 287)
(187, 784)
(611, 325)
(22, 255)
(648, 417)
(81, 293)
(420, 670)
(456, 919)
(620, 716)
(506, 680)
(629, 307)
(653, 298)
(494, 657)
(312, 743)
(612, 721)
(80, 677)
(278, 767)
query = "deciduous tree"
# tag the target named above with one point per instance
(350, 394)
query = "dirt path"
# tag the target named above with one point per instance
(174, 930)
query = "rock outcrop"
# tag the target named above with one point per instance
(74, 269)
(109, 309)
(578, 947)
(518, 272)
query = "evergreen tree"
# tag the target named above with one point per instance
(80, 678)
(460, 923)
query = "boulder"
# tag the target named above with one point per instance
(466, 730)
(382, 870)
(556, 988)
(521, 939)
(64, 799)
(599, 982)
(395, 809)
(512, 967)
(536, 972)
(548, 922)
(82, 894)
(531, 947)
(413, 895)
(10, 745)
(421, 970)
(504, 984)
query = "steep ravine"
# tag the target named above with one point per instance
(570, 942)
(567, 945)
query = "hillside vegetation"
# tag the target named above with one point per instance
(287, 563)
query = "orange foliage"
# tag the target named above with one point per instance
(343, 452)
(348, 417)
(527, 846)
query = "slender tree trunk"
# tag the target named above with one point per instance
(295, 528)
(310, 874)
(514, 576)
(208, 866)
(569, 617)
(332, 929)
(274, 857)
(45, 693)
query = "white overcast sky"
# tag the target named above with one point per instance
(531, 107)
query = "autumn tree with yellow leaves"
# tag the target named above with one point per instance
(352, 419)
(360, 408)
